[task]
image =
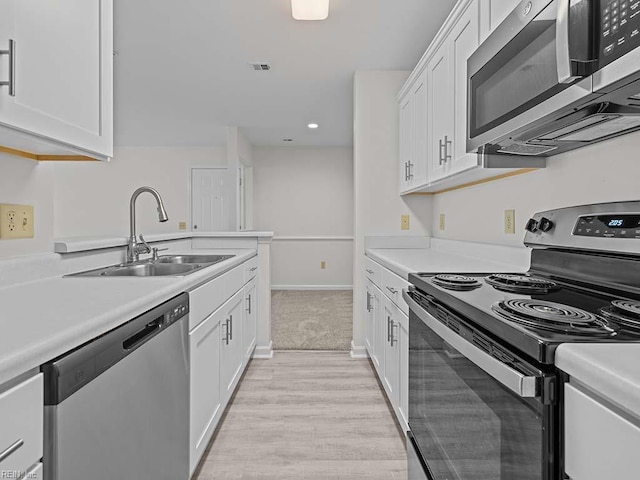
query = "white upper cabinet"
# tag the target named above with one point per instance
(434, 127)
(61, 97)
(492, 13)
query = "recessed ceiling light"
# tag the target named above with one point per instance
(313, 125)
(310, 9)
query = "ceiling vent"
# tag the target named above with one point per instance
(260, 66)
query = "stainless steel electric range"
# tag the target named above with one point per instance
(485, 399)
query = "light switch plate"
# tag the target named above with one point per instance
(442, 221)
(16, 221)
(182, 225)
(509, 221)
(323, 265)
(404, 222)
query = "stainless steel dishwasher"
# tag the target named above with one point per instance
(117, 407)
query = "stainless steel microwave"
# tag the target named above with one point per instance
(554, 76)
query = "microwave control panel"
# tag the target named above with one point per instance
(619, 29)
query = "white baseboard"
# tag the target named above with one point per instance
(263, 352)
(311, 287)
(358, 351)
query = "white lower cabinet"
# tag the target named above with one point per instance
(387, 338)
(231, 351)
(21, 427)
(223, 329)
(600, 443)
(249, 328)
(204, 344)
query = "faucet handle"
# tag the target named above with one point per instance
(146, 248)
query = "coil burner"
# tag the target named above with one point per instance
(520, 283)
(554, 317)
(456, 282)
(624, 312)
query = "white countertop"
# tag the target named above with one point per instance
(610, 370)
(43, 319)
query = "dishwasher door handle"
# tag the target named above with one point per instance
(11, 450)
(142, 335)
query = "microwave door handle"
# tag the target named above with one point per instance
(522, 385)
(563, 55)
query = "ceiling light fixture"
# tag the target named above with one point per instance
(313, 126)
(310, 9)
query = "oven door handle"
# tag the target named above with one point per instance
(522, 385)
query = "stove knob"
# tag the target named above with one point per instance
(532, 226)
(545, 224)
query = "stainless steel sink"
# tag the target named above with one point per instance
(193, 258)
(169, 265)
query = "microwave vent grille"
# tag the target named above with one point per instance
(616, 125)
(526, 149)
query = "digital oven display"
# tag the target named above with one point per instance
(618, 226)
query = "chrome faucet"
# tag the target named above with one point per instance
(135, 248)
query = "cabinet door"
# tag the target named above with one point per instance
(250, 316)
(440, 112)
(418, 168)
(380, 331)
(204, 343)
(392, 353)
(231, 351)
(63, 74)
(406, 141)
(463, 42)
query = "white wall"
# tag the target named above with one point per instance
(378, 206)
(604, 172)
(28, 182)
(92, 199)
(306, 192)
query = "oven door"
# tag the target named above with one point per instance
(472, 417)
(536, 62)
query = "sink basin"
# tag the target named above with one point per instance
(168, 265)
(186, 259)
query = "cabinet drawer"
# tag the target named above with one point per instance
(250, 269)
(392, 286)
(373, 271)
(206, 299)
(234, 281)
(599, 443)
(21, 425)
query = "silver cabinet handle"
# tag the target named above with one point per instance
(447, 144)
(411, 170)
(392, 338)
(370, 272)
(563, 55)
(226, 334)
(249, 302)
(440, 149)
(388, 329)
(11, 450)
(253, 269)
(11, 83)
(522, 385)
(406, 171)
(230, 327)
(368, 302)
(392, 290)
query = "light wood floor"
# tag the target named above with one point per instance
(307, 415)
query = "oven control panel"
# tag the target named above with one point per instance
(619, 29)
(608, 226)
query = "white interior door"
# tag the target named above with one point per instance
(212, 195)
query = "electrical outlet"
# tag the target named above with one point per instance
(442, 221)
(323, 265)
(404, 222)
(509, 221)
(16, 221)
(182, 225)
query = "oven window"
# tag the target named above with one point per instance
(521, 75)
(466, 424)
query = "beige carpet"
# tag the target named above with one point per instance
(312, 320)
